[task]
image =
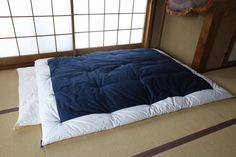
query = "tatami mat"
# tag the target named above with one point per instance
(224, 77)
(141, 136)
(9, 89)
(126, 140)
(219, 144)
(24, 142)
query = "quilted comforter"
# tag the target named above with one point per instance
(104, 82)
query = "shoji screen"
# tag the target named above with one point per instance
(31, 27)
(101, 23)
(34, 26)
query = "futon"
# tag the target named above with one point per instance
(103, 90)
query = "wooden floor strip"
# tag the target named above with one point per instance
(9, 110)
(185, 139)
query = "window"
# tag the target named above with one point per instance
(108, 22)
(31, 27)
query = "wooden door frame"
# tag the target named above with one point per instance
(151, 6)
(210, 26)
(206, 40)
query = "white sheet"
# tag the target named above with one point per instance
(28, 98)
(53, 130)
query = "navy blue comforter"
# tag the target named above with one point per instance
(103, 82)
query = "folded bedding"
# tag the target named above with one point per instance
(106, 82)
(103, 90)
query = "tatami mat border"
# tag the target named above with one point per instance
(186, 139)
(9, 110)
